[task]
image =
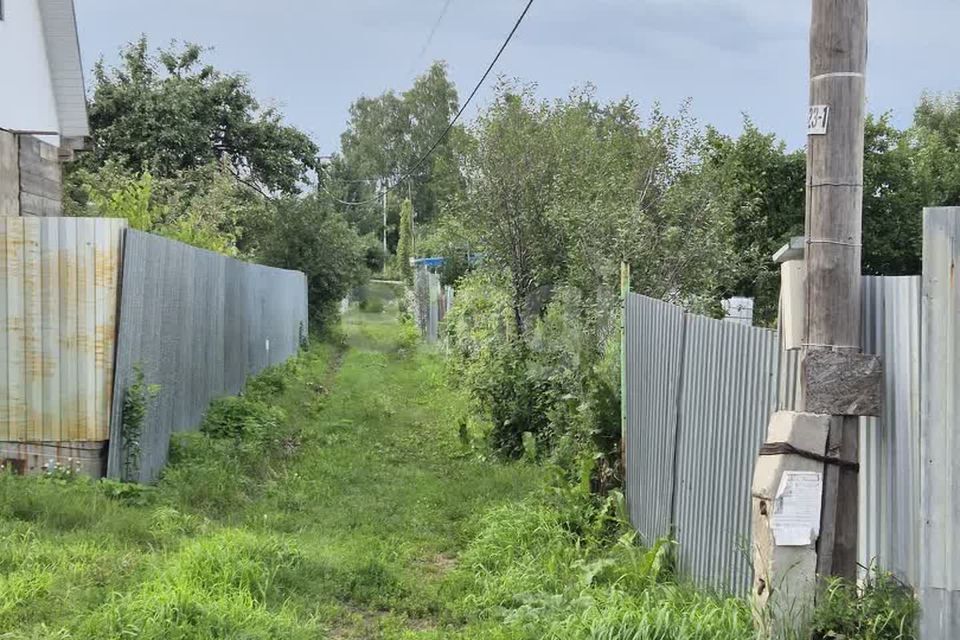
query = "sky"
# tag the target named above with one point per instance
(312, 58)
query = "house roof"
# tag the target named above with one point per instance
(66, 70)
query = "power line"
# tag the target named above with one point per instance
(429, 40)
(453, 122)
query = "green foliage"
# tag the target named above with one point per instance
(131, 199)
(404, 244)
(169, 111)
(136, 403)
(309, 236)
(384, 139)
(194, 230)
(371, 305)
(882, 608)
(202, 208)
(755, 178)
(243, 418)
(448, 238)
(558, 385)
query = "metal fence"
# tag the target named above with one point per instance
(699, 393)
(198, 324)
(728, 391)
(699, 459)
(431, 301)
(889, 455)
(654, 356)
(58, 306)
(939, 477)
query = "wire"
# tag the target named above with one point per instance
(345, 202)
(433, 31)
(453, 122)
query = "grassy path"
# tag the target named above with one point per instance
(351, 535)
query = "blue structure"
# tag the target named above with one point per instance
(473, 259)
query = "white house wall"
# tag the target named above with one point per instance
(29, 103)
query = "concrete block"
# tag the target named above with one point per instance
(806, 431)
(785, 580)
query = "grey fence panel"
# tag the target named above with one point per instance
(940, 436)
(788, 391)
(198, 324)
(235, 339)
(730, 380)
(728, 391)
(889, 445)
(653, 359)
(433, 322)
(421, 299)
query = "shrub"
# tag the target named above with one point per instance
(242, 418)
(882, 608)
(309, 236)
(559, 383)
(136, 402)
(371, 305)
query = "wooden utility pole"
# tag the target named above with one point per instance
(831, 350)
(385, 254)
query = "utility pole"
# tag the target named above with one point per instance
(413, 224)
(384, 187)
(804, 493)
(831, 349)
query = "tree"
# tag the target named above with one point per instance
(892, 201)
(404, 244)
(507, 201)
(385, 140)
(169, 112)
(763, 188)
(308, 235)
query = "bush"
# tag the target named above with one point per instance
(309, 236)
(242, 418)
(371, 305)
(565, 565)
(882, 608)
(227, 585)
(560, 383)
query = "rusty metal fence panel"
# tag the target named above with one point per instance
(939, 522)
(728, 391)
(653, 361)
(198, 324)
(58, 311)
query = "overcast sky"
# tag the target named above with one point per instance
(314, 57)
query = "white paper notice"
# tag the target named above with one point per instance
(796, 509)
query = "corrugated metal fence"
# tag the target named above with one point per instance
(58, 306)
(198, 323)
(654, 356)
(728, 390)
(432, 301)
(700, 459)
(699, 393)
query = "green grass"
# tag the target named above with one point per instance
(340, 499)
(351, 535)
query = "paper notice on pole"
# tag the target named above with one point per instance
(796, 509)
